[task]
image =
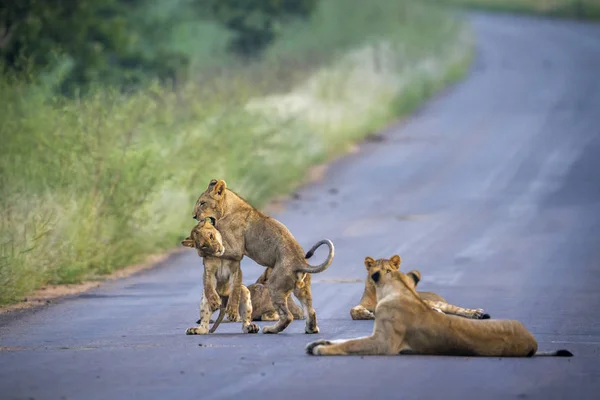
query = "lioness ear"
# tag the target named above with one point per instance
(218, 188)
(415, 276)
(396, 260)
(188, 242)
(212, 182)
(369, 262)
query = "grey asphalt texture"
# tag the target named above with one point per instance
(492, 191)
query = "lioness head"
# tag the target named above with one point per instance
(206, 239)
(210, 203)
(383, 270)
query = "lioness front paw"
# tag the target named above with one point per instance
(311, 330)
(313, 347)
(251, 328)
(480, 314)
(196, 330)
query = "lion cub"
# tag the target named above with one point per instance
(404, 324)
(262, 306)
(366, 308)
(216, 279)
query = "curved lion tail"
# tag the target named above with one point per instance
(315, 269)
(555, 353)
(219, 320)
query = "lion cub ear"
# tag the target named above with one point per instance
(218, 188)
(415, 276)
(396, 260)
(369, 262)
(188, 242)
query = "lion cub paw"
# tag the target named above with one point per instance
(196, 331)
(252, 328)
(361, 313)
(269, 330)
(480, 314)
(313, 347)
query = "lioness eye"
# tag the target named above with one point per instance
(202, 203)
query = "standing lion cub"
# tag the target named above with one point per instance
(222, 280)
(404, 324)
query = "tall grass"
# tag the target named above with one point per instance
(93, 184)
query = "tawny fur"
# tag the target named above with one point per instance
(366, 308)
(248, 232)
(222, 281)
(262, 306)
(404, 324)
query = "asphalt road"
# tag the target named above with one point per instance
(492, 191)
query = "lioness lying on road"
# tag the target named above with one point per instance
(404, 324)
(218, 290)
(366, 308)
(247, 231)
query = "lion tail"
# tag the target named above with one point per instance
(219, 320)
(555, 353)
(315, 269)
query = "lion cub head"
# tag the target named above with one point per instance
(206, 239)
(383, 270)
(210, 203)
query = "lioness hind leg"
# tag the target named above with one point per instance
(205, 313)
(279, 295)
(246, 311)
(305, 296)
(459, 311)
(370, 345)
(296, 311)
(361, 313)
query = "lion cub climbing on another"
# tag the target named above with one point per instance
(218, 273)
(404, 324)
(366, 308)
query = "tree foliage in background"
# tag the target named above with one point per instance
(254, 23)
(95, 39)
(76, 43)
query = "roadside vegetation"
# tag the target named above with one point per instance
(578, 9)
(111, 127)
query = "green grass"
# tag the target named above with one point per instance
(579, 9)
(92, 185)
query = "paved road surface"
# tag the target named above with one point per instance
(492, 191)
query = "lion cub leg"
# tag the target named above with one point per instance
(205, 313)
(304, 294)
(270, 316)
(459, 311)
(360, 313)
(246, 311)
